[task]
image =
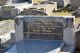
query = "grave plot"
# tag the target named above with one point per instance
(6, 27)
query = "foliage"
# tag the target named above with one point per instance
(61, 13)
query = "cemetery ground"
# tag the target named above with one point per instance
(66, 13)
(6, 26)
(10, 22)
(62, 13)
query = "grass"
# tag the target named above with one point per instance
(6, 20)
(66, 13)
(77, 20)
(37, 1)
(62, 13)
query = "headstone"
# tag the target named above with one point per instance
(77, 12)
(9, 11)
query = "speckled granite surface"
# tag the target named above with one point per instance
(38, 46)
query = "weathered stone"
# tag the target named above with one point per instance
(47, 6)
(76, 12)
(75, 4)
(77, 40)
(61, 3)
(2, 2)
(8, 12)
